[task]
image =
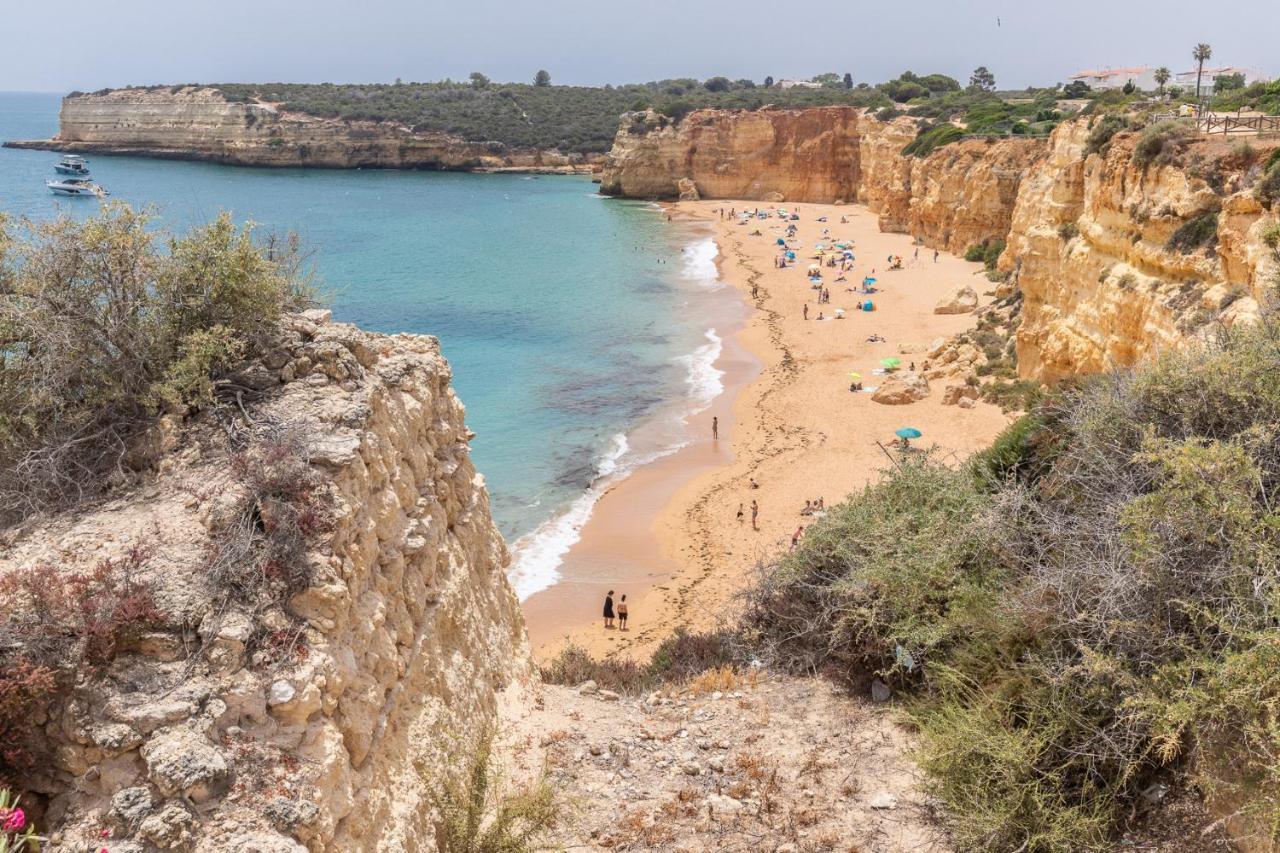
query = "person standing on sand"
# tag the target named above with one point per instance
(755, 515)
(795, 537)
(715, 428)
(608, 610)
(806, 310)
(935, 256)
(622, 614)
(741, 513)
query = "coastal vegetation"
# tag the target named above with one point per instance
(1079, 616)
(585, 118)
(105, 324)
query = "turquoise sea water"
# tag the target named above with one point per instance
(568, 319)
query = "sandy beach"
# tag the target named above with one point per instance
(668, 536)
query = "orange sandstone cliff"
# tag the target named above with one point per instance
(1088, 236)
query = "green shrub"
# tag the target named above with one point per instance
(991, 255)
(932, 139)
(1267, 190)
(105, 323)
(477, 818)
(975, 253)
(1158, 143)
(1087, 608)
(1194, 234)
(1102, 132)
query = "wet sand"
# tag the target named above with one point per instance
(667, 536)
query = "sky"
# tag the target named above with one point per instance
(1024, 42)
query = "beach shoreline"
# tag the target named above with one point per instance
(667, 535)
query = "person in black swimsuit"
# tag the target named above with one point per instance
(608, 610)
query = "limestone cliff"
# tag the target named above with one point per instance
(958, 196)
(1088, 236)
(200, 124)
(325, 721)
(1089, 249)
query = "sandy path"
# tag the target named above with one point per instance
(796, 430)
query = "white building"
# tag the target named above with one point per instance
(1186, 80)
(1143, 76)
(798, 84)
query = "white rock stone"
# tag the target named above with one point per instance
(961, 299)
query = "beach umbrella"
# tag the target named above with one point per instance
(868, 280)
(781, 242)
(908, 432)
(855, 375)
(890, 363)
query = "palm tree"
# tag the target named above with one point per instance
(1201, 53)
(1162, 77)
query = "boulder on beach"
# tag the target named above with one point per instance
(962, 299)
(953, 394)
(901, 389)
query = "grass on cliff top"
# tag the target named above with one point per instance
(1083, 610)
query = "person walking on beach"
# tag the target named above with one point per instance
(622, 614)
(935, 256)
(755, 515)
(608, 610)
(806, 310)
(715, 428)
(741, 513)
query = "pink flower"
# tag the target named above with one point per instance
(14, 821)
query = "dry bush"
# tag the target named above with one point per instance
(679, 658)
(104, 323)
(57, 624)
(258, 551)
(477, 817)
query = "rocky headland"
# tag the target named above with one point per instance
(199, 123)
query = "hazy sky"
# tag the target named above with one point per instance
(90, 44)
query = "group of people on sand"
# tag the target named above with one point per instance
(612, 611)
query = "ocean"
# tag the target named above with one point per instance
(570, 320)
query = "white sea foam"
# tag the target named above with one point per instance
(700, 263)
(703, 378)
(537, 555)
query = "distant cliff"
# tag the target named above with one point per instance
(193, 123)
(960, 195)
(1090, 234)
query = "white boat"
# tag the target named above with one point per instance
(72, 164)
(75, 187)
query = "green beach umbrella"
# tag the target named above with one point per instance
(890, 363)
(908, 432)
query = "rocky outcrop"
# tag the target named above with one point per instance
(1090, 251)
(1088, 236)
(961, 299)
(324, 721)
(193, 123)
(901, 389)
(952, 199)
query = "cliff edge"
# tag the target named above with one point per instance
(327, 719)
(198, 123)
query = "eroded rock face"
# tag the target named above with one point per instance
(194, 123)
(408, 630)
(1089, 251)
(958, 196)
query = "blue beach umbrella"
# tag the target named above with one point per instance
(908, 432)
(781, 242)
